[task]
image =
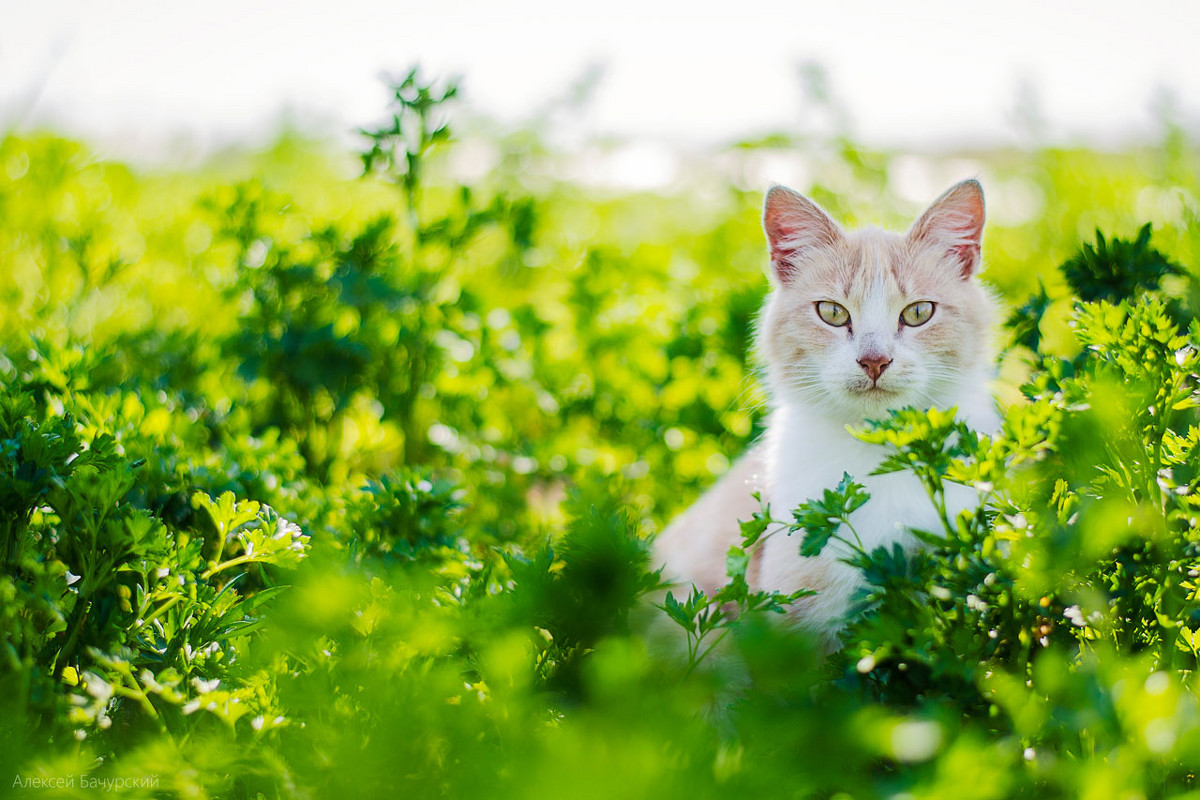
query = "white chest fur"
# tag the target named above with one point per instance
(807, 454)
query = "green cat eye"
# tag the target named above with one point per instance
(917, 314)
(833, 314)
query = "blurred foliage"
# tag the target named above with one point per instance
(317, 486)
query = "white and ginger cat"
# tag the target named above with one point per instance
(857, 324)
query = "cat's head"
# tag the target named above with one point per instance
(861, 322)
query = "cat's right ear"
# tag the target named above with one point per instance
(794, 226)
(954, 223)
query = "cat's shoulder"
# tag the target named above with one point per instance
(695, 543)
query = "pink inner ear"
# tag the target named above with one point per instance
(794, 223)
(968, 255)
(783, 249)
(955, 222)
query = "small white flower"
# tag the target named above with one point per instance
(204, 687)
(285, 528)
(97, 687)
(148, 680)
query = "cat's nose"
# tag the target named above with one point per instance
(874, 365)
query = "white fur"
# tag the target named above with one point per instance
(807, 453)
(820, 386)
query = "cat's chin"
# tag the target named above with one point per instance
(854, 402)
(874, 402)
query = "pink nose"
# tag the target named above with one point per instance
(874, 366)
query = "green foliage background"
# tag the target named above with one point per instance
(318, 485)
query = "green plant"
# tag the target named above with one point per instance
(707, 620)
(316, 486)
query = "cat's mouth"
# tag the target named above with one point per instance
(873, 391)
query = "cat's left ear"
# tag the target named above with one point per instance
(795, 227)
(955, 222)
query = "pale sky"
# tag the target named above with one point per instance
(137, 73)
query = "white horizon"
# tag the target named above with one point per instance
(140, 75)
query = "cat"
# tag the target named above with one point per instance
(857, 324)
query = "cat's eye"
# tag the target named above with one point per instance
(917, 314)
(833, 314)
